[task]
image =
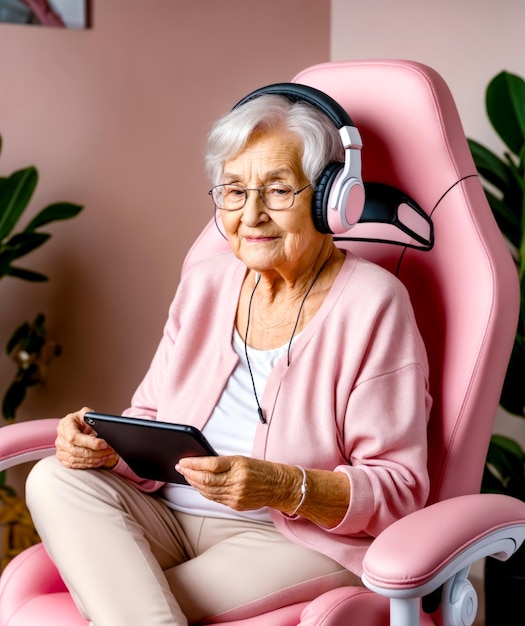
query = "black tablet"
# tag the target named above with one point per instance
(149, 447)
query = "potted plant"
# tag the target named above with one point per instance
(29, 345)
(504, 184)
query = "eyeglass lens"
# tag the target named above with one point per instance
(276, 196)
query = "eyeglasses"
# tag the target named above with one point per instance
(277, 196)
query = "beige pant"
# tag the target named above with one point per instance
(129, 560)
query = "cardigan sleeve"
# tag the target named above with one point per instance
(388, 462)
(386, 422)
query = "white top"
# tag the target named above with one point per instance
(231, 430)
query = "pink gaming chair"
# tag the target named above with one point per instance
(466, 297)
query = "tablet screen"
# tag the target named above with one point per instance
(149, 447)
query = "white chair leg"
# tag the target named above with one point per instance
(404, 611)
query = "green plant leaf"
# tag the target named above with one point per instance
(513, 392)
(6, 257)
(505, 467)
(53, 213)
(13, 398)
(503, 176)
(4, 487)
(504, 471)
(18, 246)
(35, 339)
(517, 175)
(21, 333)
(23, 274)
(39, 323)
(505, 103)
(17, 190)
(490, 166)
(510, 446)
(508, 221)
(23, 243)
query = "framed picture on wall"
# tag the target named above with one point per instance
(55, 13)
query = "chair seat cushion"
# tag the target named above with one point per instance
(52, 609)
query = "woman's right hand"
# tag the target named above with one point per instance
(77, 446)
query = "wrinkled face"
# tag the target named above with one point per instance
(263, 239)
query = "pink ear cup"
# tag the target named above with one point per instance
(348, 207)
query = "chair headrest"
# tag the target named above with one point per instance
(392, 216)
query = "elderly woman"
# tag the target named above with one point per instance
(304, 368)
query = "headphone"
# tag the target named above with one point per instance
(339, 194)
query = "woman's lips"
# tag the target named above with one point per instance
(258, 239)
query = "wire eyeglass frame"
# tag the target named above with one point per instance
(218, 196)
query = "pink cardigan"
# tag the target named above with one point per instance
(354, 399)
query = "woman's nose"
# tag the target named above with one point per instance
(254, 210)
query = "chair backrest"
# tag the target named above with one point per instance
(464, 290)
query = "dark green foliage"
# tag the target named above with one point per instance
(504, 183)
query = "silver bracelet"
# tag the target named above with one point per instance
(304, 491)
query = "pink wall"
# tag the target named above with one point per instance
(466, 42)
(114, 118)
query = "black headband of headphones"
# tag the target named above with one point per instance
(296, 92)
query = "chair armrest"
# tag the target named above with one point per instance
(27, 441)
(417, 554)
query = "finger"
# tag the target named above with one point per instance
(214, 464)
(198, 478)
(77, 445)
(85, 450)
(80, 442)
(73, 430)
(83, 459)
(203, 472)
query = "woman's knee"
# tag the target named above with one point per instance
(40, 477)
(40, 483)
(50, 483)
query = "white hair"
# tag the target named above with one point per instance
(318, 136)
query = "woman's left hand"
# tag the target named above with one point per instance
(246, 484)
(240, 482)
